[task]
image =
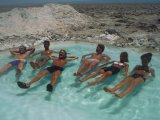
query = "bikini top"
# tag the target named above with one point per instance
(141, 67)
(119, 64)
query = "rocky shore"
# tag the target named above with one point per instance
(136, 26)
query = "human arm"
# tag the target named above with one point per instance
(52, 57)
(134, 69)
(126, 69)
(69, 58)
(90, 54)
(30, 51)
(152, 71)
(106, 58)
(14, 51)
(107, 63)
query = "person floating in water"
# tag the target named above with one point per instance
(94, 58)
(20, 56)
(56, 69)
(138, 76)
(109, 70)
(42, 60)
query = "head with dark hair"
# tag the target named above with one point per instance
(22, 49)
(124, 57)
(100, 48)
(147, 55)
(146, 58)
(62, 54)
(46, 44)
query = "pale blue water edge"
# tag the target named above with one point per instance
(70, 102)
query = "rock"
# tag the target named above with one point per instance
(130, 39)
(111, 31)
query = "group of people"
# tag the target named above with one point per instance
(89, 67)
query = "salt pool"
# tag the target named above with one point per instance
(70, 101)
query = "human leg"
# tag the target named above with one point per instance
(20, 67)
(104, 76)
(55, 77)
(82, 66)
(5, 67)
(100, 71)
(91, 66)
(118, 86)
(37, 78)
(132, 85)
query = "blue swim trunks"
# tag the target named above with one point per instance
(15, 62)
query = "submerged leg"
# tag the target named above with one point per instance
(38, 77)
(119, 85)
(32, 65)
(55, 77)
(104, 76)
(20, 67)
(132, 85)
(100, 71)
(4, 68)
(91, 66)
(82, 66)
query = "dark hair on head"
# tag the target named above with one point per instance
(64, 51)
(46, 41)
(22, 46)
(101, 46)
(124, 56)
(148, 56)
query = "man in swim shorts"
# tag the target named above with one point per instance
(20, 56)
(56, 69)
(42, 60)
(94, 59)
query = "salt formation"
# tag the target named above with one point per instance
(37, 20)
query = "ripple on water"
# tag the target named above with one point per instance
(71, 100)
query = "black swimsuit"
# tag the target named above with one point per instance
(54, 68)
(112, 68)
(136, 75)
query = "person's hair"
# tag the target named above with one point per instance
(64, 52)
(101, 46)
(22, 46)
(148, 56)
(46, 41)
(124, 56)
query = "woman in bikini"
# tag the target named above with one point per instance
(110, 70)
(138, 75)
(56, 69)
(42, 60)
(94, 58)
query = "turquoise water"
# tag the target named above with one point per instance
(70, 101)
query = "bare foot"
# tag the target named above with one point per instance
(32, 65)
(91, 83)
(108, 90)
(118, 95)
(77, 74)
